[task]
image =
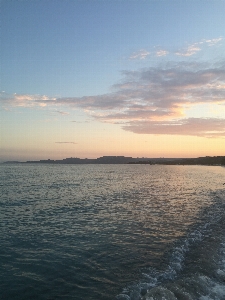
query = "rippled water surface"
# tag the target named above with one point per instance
(111, 231)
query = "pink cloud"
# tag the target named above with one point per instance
(149, 100)
(202, 127)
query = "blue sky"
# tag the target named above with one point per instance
(136, 71)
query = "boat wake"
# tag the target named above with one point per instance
(196, 263)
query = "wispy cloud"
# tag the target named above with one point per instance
(161, 53)
(86, 121)
(24, 100)
(188, 51)
(196, 47)
(64, 113)
(65, 143)
(191, 50)
(141, 54)
(202, 127)
(213, 42)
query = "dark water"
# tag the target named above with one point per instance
(112, 232)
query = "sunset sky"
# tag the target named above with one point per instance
(111, 77)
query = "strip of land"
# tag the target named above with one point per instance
(207, 160)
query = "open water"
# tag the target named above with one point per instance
(101, 232)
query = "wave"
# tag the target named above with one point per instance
(195, 266)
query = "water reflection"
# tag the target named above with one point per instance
(91, 228)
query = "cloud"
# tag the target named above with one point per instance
(62, 112)
(151, 100)
(196, 47)
(191, 50)
(202, 127)
(161, 53)
(213, 42)
(86, 121)
(142, 54)
(65, 143)
(24, 100)
(185, 52)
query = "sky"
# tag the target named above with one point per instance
(111, 77)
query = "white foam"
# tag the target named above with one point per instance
(216, 291)
(122, 297)
(205, 287)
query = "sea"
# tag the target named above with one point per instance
(101, 232)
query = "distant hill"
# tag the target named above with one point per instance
(103, 160)
(207, 160)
